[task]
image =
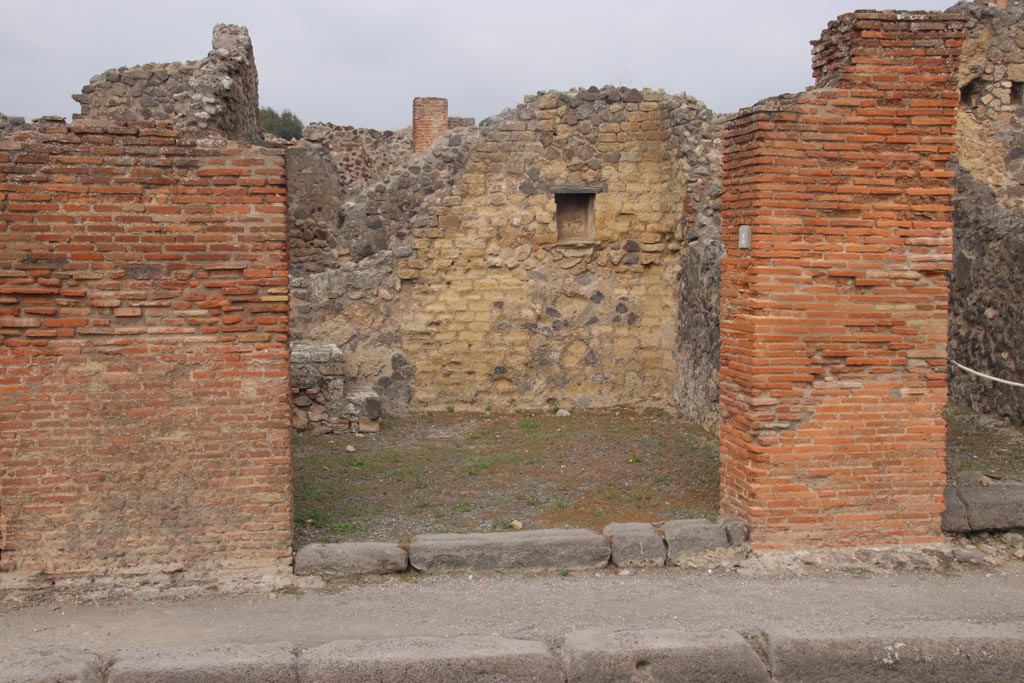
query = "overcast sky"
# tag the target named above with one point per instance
(361, 63)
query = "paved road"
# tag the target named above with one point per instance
(541, 607)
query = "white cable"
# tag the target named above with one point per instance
(982, 374)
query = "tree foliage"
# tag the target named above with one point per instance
(284, 125)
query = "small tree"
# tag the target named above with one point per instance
(284, 125)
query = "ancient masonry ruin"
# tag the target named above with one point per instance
(160, 263)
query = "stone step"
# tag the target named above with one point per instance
(536, 549)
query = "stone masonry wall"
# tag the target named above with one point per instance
(216, 93)
(360, 155)
(460, 293)
(834, 321)
(695, 140)
(144, 402)
(499, 311)
(350, 297)
(987, 297)
(329, 165)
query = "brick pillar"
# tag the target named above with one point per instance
(833, 354)
(429, 119)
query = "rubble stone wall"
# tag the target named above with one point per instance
(145, 418)
(447, 285)
(360, 155)
(987, 295)
(216, 93)
(348, 296)
(834, 320)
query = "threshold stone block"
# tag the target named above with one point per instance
(687, 538)
(536, 549)
(350, 559)
(635, 544)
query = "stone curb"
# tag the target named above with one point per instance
(37, 666)
(661, 655)
(930, 653)
(411, 660)
(919, 657)
(273, 663)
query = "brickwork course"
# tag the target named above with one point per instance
(429, 120)
(144, 404)
(834, 320)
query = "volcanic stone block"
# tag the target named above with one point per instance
(45, 666)
(350, 559)
(635, 544)
(661, 655)
(954, 517)
(921, 656)
(992, 508)
(538, 549)
(273, 663)
(737, 531)
(692, 537)
(412, 660)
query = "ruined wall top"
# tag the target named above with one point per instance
(854, 42)
(218, 93)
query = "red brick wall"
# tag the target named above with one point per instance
(144, 403)
(429, 119)
(834, 323)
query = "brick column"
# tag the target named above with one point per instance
(834, 320)
(145, 410)
(429, 119)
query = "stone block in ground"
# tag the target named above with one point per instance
(692, 539)
(350, 559)
(661, 656)
(535, 549)
(415, 660)
(931, 654)
(635, 544)
(996, 507)
(954, 517)
(46, 666)
(272, 663)
(736, 531)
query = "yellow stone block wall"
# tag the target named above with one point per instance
(496, 313)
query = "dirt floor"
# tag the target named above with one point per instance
(458, 472)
